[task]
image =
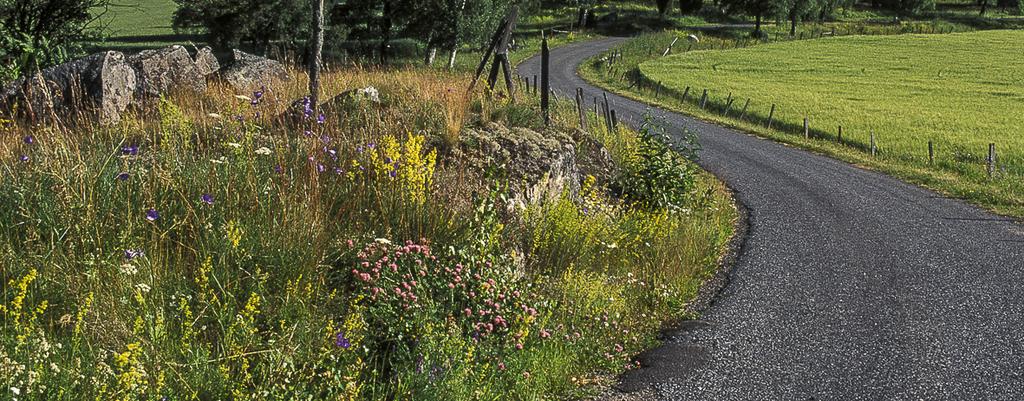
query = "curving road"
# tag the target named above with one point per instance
(849, 285)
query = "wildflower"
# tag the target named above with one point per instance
(278, 169)
(213, 115)
(264, 151)
(308, 133)
(122, 176)
(143, 288)
(501, 365)
(235, 145)
(341, 342)
(131, 150)
(207, 199)
(23, 158)
(30, 140)
(321, 119)
(243, 97)
(152, 215)
(130, 254)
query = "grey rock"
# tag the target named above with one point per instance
(539, 166)
(249, 72)
(163, 70)
(102, 84)
(206, 62)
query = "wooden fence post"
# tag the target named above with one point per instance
(771, 115)
(704, 99)
(743, 114)
(615, 121)
(991, 159)
(657, 91)
(685, 93)
(931, 153)
(840, 137)
(807, 129)
(545, 80)
(874, 147)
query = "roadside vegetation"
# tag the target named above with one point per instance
(209, 250)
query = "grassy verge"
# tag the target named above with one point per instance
(959, 169)
(206, 250)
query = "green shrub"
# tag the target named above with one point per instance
(660, 177)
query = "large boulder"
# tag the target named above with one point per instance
(169, 69)
(538, 166)
(206, 62)
(249, 72)
(102, 84)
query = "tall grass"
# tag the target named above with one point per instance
(209, 249)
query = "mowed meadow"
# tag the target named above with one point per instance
(961, 91)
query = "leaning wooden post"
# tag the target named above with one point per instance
(807, 129)
(991, 159)
(685, 93)
(669, 49)
(771, 115)
(728, 102)
(743, 114)
(931, 153)
(704, 99)
(840, 137)
(615, 121)
(582, 110)
(545, 84)
(317, 57)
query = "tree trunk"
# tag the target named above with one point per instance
(431, 51)
(455, 40)
(792, 23)
(316, 56)
(385, 32)
(757, 25)
(984, 5)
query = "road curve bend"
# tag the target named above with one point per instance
(850, 284)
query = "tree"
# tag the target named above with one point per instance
(690, 6)
(663, 6)
(906, 8)
(798, 10)
(759, 9)
(38, 33)
(1013, 5)
(229, 23)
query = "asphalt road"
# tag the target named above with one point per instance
(849, 285)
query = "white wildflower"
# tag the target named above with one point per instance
(213, 115)
(143, 288)
(382, 241)
(264, 151)
(235, 145)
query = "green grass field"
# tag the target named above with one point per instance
(961, 91)
(140, 24)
